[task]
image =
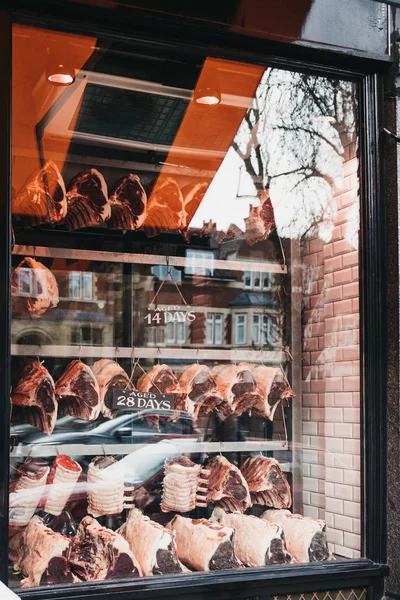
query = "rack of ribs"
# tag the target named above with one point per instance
(110, 376)
(77, 392)
(26, 491)
(267, 483)
(226, 485)
(128, 204)
(106, 489)
(87, 198)
(64, 474)
(181, 485)
(161, 380)
(274, 388)
(237, 387)
(202, 394)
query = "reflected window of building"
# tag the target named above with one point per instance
(81, 285)
(199, 262)
(87, 335)
(241, 326)
(160, 272)
(157, 336)
(265, 330)
(176, 333)
(214, 329)
(254, 280)
(28, 284)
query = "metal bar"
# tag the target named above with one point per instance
(147, 259)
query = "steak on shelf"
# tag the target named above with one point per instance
(152, 544)
(106, 480)
(33, 397)
(110, 376)
(64, 474)
(255, 544)
(77, 392)
(274, 387)
(26, 491)
(42, 286)
(202, 394)
(98, 553)
(181, 485)
(88, 203)
(305, 536)
(226, 485)
(128, 204)
(203, 545)
(267, 483)
(161, 380)
(42, 198)
(165, 210)
(238, 389)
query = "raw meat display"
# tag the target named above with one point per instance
(88, 202)
(161, 380)
(274, 387)
(105, 478)
(261, 221)
(203, 545)
(42, 198)
(33, 398)
(27, 490)
(42, 554)
(267, 484)
(77, 392)
(110, 376)
(152, 544)
(202, 394)
(193, 194)
(305, 536)
(128, 204)
(165, 210)
(181, 484)
(34, 289)
(98, 553)
(238, 389)
(255, 544)
(61, 481)
(226, 485)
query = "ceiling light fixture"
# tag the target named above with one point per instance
(57, 73)
(208, 91)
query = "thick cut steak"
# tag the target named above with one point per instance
(237, 387)
(128, 204)
(26, 491)
(305, 536)
(203, 545)
(77, 392)
(181, 485)
(161, 380)
(165, 210)
(98, 553)
(33, 398)
(42, 198)
(256, 545)
(88, 203)
(110, 376)
(152, 544)
(226, 485)
(34, 289)
(202, 394)
(42, 554)
(274, 388)
(61, 481)
(106, 480)
(267, 484)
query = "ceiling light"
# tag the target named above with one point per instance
(208, 91)
(57, 73)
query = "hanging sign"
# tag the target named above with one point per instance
(134, 401)
(162, 315)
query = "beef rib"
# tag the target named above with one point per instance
(202, 394)
(77, 392)
(64, 474)
(128, 204)
(26, 491)
(88, 203)
(161, 380)
(182, 480)
(237, 387)
(165, 210)
(34, 289)
(274, 388)
(106, 481)
(226, 485)
(193, 194)
(267, 483)
(110, 376)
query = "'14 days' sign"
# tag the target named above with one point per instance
(161, 315)
(133, 400)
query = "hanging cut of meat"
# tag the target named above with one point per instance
(193, 194)
(237, 387)
(305, 536)
(88, 203)
(27, 490)
(42, 198)
(128, 204)
(106, 479)
(161, 380)
(152, 544)
(257, 542)
(77, 392)
(202, 394)
(42, 554)
(61, 481)
(110, 376)
(33, 398)
(181, 485)
(261, 221)
(267, 484)
(203, 545)
(98, 553)
(34, 289)
(274, 387)
(226, 485)
(165, 210)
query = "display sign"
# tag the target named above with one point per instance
(134, 401)
(162, 315)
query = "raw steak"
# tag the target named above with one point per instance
(202, 394)
(165, 210)
(42, 198)
(237, 387)
(255, 544)
(181, 485)
(260, 222)
(61, 481)
(305, 537)
(33, 398)
(161, 380)
(42, 554)
(152, 544)
(27, 490)
(226, 485)
(128, 204)
(98, 553)
(203, 545)
(267, 484)
(88, 203)
(193, 194)
(110, 376)
(106, 478)
(42, 286)
(77, 392)
(274, 388)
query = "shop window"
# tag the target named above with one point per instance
(81, 285)
(87, 335)
(214, 328)
(241, 329)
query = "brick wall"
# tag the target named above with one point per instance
(331, 383)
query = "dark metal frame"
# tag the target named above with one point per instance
(251, 582)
